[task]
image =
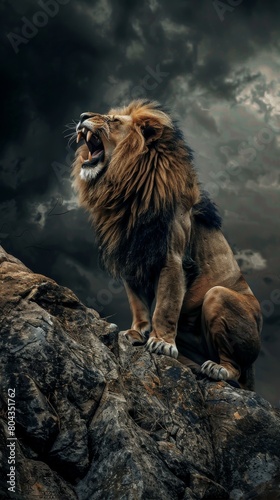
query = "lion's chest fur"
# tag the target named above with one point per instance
(139, 254)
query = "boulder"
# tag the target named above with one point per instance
(96, 418)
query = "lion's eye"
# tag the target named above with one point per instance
(115, 120)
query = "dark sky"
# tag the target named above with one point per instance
(214, 64)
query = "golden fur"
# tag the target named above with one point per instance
(160, 234)
(144, 177)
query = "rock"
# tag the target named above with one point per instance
(99, 419)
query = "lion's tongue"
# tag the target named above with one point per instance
(93, 159)
(94, 154)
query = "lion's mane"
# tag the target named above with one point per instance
(133, 205)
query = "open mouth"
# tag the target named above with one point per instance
(95, 146)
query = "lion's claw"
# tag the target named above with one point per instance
(214, 370)
(161, 347)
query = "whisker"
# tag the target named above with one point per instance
(73, 121)
(71, 130)
(71, 140)
(71, 125)
(71, 133)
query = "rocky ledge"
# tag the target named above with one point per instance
(96, 418)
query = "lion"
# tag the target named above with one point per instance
(160, 233)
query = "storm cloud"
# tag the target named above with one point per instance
(215, 65)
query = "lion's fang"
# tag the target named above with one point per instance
(89, 134)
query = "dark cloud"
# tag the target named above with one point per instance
(218, 77)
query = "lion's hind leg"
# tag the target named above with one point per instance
(231, 323)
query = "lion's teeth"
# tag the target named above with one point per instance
(79, 136)
(89, 134)
(84, 130)
(89, 156)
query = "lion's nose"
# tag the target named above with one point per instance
(86, 116)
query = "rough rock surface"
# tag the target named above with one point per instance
(99, 419)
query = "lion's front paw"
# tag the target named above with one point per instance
(214, 370)
(159, 346)
(135, 337)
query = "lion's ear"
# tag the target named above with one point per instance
(151, 132)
